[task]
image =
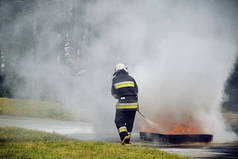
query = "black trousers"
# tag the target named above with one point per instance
(124, 121)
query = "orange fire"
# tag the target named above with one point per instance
(184, 129)
(176, 130)
(150, 130)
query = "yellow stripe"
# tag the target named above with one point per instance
(127, 107)
(124, 85)
(122, 130)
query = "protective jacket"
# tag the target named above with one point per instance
(124, 88)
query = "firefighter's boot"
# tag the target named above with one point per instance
(128, 138)
(123, 134)
(125, 140)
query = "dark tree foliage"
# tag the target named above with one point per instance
(20, 26)
(231, 90)
(16, 42)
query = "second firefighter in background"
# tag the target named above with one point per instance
(124, 88)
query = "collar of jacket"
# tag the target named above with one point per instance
(120, 72)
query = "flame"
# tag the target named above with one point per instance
(176, 130)
(184, 129)
(187, 125)
(150, 130)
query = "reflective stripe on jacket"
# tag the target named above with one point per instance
(127, 105)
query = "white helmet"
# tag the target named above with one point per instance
(120, 66)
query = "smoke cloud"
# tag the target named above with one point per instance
(180, 53)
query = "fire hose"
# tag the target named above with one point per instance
(152, 124)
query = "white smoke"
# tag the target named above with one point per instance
(180, 53)
(188, 86)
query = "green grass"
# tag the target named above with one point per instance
(14, 134)
(18, 143)
(30, 108)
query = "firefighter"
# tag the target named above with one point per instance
(124, 88)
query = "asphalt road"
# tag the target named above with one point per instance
(74, 129)
(199, 151)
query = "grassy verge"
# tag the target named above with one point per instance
(32, 108)
(21, 143)
(14, 134)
